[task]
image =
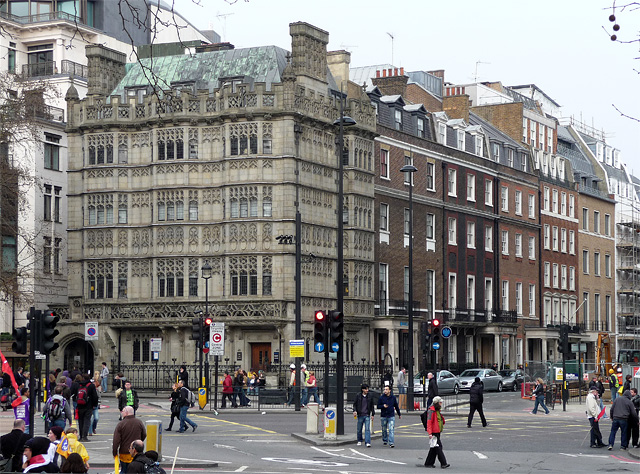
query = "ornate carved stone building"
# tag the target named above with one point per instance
(209, 165)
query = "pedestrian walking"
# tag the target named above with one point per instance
(140, 460)
(127, 431)
(104, 378)
(388, 405)
(128, 398)
(55, 436)
(594, 413)
(614, 385)
(245, 388)
(476, 399)
(292, 384)
(312, 387)
(185, 404)
(175, 404)
(237, 388)
(76, 446)
(12, 446)
(74, 464)
(227, 391)
(627, 383)
(402, 381)
(87, 400)
(36, 458)
(305, 391)
(95, 414)
(363, 412)
(633, 429)
(538, 392)
(57, 410)
(184, 376)
(435, 426)
(621, 412)
(261, 382)
(432, 388)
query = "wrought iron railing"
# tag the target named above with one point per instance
(48, 112)
(395, 307)
(46, 68)
(42, 17)
(74, 69)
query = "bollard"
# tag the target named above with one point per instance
(330, 423)
(312, 418)
(154, 437)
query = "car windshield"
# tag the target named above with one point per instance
(470, 373)
(506, 373)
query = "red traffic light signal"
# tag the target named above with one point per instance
(435, 323)
(319, 316)
(208, 320)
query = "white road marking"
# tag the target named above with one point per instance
(480, 455)
(359, 457)
(310, 462)
(584, 455)
(241, 468)
(270, 441)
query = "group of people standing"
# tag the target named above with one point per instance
(309, 386)
(236, 389)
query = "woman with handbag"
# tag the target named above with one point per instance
(435, 425)
(538, 392)
(175, 405)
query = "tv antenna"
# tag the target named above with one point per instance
(475, 76)
(392, 38)
(224, 24)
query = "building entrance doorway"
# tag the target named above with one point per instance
(79, 353)
(260, 356)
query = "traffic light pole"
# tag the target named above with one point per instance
(33, 323)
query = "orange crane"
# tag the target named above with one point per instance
(603, 354)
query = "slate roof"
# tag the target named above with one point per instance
(568, 148)
(262, 64)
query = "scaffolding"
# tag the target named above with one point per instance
(627, 335)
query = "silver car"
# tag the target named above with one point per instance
(489, 377)
(446, 381)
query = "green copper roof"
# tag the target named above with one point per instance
(262, 64)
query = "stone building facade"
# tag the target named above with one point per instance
(212, 170)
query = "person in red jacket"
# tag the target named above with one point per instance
(435, 425)
(227, 391)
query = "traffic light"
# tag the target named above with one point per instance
(336, 324)
(47, 332)
(425, 340)
(206, 333)
(196, 331)
(436, 334)
(563, 343)
(20, 337)
(319, 331)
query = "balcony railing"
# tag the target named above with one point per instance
(480, 315)
(47, 68)
(42, 17)
(71, 68)
(395, 308)
(596, 326)
(505, 316)
(47, 112)
(592, 191)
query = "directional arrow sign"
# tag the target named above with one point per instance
(335, 347)
(436, 346)
(319, 346)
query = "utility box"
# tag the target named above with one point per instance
(154, 437)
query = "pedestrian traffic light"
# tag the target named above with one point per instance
(20, 337)
(319, 331)
(47, 332)
(196, 331)
(436, 334)
(336, 324)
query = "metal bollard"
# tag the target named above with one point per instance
(154, 437)
(312, 418)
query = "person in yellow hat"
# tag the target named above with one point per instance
(614, 385)
(76, 446)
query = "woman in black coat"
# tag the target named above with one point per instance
(184, 376)
(175, 405)
(476, 398)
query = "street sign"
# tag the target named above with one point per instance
(155, 344)
(156, 355)
(335, 347)
(581, 347)
(40, 356)
(446, 332)
(90, 331)
(216, 342)
(435, 346)
(319, 346)
(296, 348)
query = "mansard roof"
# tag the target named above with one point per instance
(263, 64)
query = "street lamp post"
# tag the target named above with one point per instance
(206, 274)
(410, 169)
(343, 121)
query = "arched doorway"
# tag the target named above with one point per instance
(79, 353)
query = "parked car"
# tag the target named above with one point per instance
(489, 377)
(511, 379)
(446, 381)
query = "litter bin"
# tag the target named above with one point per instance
(154, 437)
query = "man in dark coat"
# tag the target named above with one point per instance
(140, 461)
(363, 410)
(12, 445)
(621, 412)
(432, 388)
(476, 398)
(87, 400)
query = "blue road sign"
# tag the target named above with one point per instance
(435, 346)
(335, 347)
(319, 346)
(446, 332)
(202, 391)
(331, 414)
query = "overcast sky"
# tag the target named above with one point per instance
(559, 45)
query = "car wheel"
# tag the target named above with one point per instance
(499, 386)
(456, 389)
(515, 386)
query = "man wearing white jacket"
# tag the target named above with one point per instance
(593, 413)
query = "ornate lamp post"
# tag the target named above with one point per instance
(206, 274)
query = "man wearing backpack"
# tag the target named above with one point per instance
(57, 410)
(185, 403)
(128, 398)
(87, 400)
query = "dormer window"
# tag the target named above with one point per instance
(510, 157)
(479, 145)
(420, 127)
(523, 161)
(442, 133)
(460, 139)
(398, 119)
(496, 152)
